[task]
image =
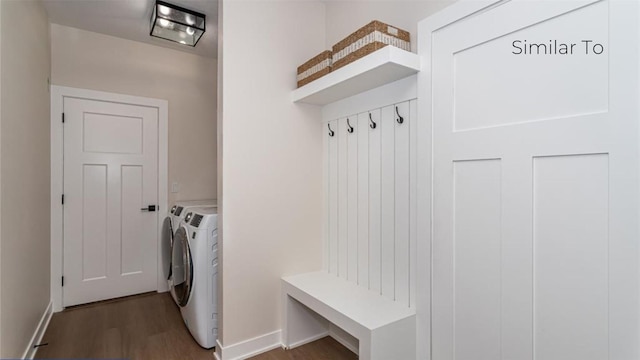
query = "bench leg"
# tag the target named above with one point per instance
(395, 341)
(301, 325)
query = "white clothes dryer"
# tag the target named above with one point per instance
(170, 225)
(181, 208)
(195, 274)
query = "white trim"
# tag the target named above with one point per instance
(56, 190)
(0, 197)
(393, 93)
(341, 337)
(310, 340)
(325, 200)
(248, 348)
(379, 68)
(58, 93)
(457, 11)
(163, 183)
(36, 338)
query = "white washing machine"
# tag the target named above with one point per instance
(181, 208)
(170, 225)
(195, 274)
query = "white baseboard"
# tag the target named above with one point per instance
(248, 348)
(309, 340)
(36, 338)
(344, 338)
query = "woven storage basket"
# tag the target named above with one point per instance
(315, 68)
(369, 38)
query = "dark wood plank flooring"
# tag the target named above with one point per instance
(323, 349)
(147, 326)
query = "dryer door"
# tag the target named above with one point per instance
(182, 265)
(167, 243)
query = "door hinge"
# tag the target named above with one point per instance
(62, 199)
(63, 118)
(63, 281)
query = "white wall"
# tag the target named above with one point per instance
(94, 61)
(24, 165)
(271, 158)
(346, 16)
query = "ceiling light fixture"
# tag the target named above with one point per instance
(174, 23)
(164, 10)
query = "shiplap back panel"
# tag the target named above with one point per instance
(401, 199)
(387, 251)
(371, 206)
(375, 217)
(352, 201)
(332, 216)
(413, 199)
(363, 196)
(343, 220)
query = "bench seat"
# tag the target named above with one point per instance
(385, 329)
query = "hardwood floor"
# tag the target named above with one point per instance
(323, 349)
(147, 326)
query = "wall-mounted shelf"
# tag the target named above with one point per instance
(379, 68)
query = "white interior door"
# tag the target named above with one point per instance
(110, 176)
(535, 213)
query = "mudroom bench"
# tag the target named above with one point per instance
(312, 301)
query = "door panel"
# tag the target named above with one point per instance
(104, 133)
(94, 222)
(535, 199)
(110, 174)
(477, 280)
(475, 62)
(570, 258)
(132, 248)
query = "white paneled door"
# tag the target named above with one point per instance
(535, 213)
(110, 179)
